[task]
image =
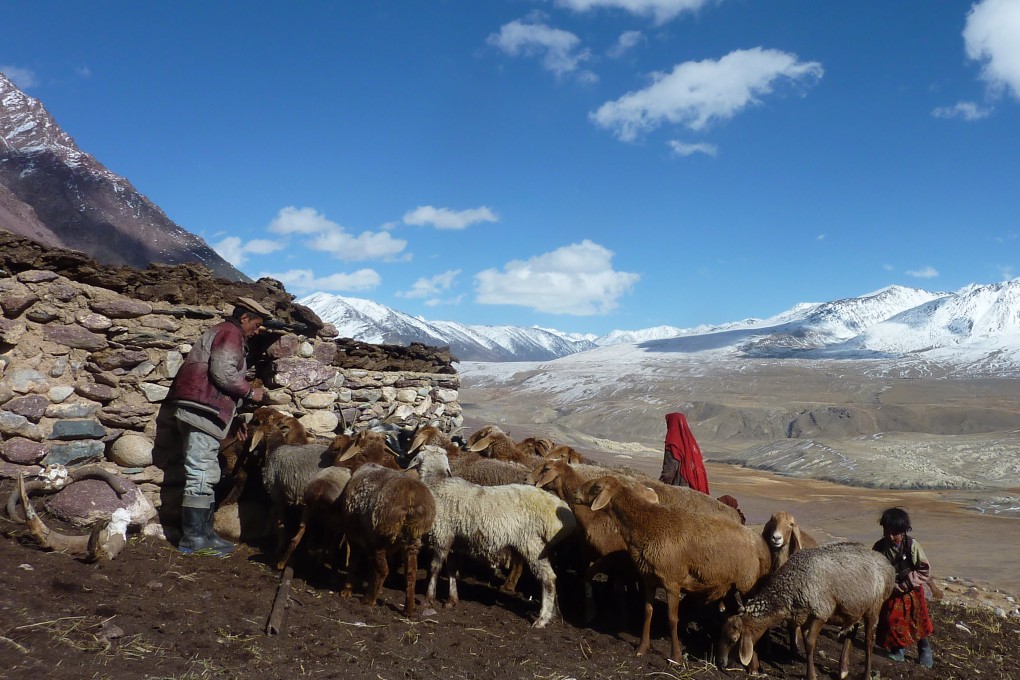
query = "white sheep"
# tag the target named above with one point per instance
(488, 520)
(683, 551)
(840, 583)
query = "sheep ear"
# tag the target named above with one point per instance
(391, 451)
(481, 444)
(351, 452)
(419, 439)
(796, 542)
(256, 439)
(602, 500)
(547, 477)
(746, 649)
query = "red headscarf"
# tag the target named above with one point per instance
(680, 443)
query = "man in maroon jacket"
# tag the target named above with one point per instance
(203, 398)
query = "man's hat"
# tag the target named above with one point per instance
(253, 306)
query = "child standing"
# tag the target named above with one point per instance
(904, 619)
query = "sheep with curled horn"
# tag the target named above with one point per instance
(106, 540)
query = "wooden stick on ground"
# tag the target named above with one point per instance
(276, 617)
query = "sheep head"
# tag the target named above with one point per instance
(430, 463)
(564, 452)
(782, 529)
(372, 447)
(536, 446)
(600, 492)
(733, 634)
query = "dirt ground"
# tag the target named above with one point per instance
(153, 613)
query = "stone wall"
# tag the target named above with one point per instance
(84, 369)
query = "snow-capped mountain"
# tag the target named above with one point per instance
(372, 322)
(974, 326)
(54, 193)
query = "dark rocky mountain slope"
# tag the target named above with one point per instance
(54, 193)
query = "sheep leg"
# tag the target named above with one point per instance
(411, 576)
(452, 572)
(844, 658)
(870, 625)
(543, 571)
(646, 629)
(516, 569)
(814, 628)
(380, 570)
(353, 558)
(673, 607)
(439, 555)
(294, 541)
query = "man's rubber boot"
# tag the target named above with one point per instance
(194, 523)
(214, 539)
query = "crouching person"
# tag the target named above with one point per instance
(198, 411)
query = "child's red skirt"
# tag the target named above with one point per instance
(904, 620)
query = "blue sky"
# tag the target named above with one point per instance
(585, 165)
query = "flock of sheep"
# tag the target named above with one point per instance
(533, 504)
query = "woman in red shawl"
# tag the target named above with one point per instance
(682, 464)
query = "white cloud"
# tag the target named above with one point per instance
(699, 92)
(327, 236)
(444, 218)
(992, 36)
(627, 41)
(22, 77)
(236, 253)
(576, 279)
(684, 149)
(924, 273)
(304, 280)
(1006, 271)
(431, 286)
(820, 237)
(660, 10)
(83, 71)
(367, 245)
(560, 50)
(968, 111)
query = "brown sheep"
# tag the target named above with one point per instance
(367, 446)
(784, 538)
(384, 512)
(320, 504)
(499, 445)
(601, 547)
(430, 435)
(681, 551)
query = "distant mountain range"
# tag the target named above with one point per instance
(979, 324)
(54, 193)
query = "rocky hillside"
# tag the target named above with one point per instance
(54, 193)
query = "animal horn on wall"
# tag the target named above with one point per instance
(47, 538)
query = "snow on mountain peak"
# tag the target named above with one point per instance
(984, 320)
